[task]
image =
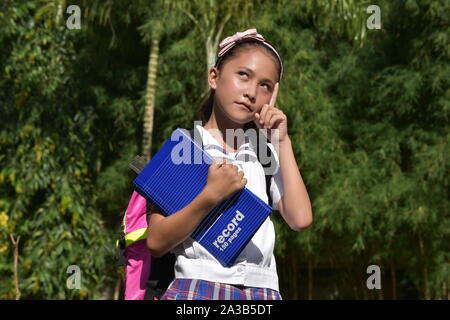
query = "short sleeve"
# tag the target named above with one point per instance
(276, 183)
(276, 189)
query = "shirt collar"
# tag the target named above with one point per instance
(245, 149)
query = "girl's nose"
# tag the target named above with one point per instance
(250, 93)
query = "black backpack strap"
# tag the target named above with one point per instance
(196, 137)
(120, 249)
(266, 166)
(162, 272)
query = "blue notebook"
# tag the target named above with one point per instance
(177, 173)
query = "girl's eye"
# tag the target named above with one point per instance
(246, 74)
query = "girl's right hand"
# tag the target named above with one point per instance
(224, 179)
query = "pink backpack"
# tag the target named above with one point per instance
(133, 244)
(145, 277)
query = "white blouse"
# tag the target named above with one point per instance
(255, 266)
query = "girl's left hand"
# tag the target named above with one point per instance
(273, 119)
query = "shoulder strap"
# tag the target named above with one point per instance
(162, 272)
(267, 175)
(197, 138)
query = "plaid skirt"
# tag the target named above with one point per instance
(195, 289)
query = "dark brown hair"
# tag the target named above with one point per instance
(206, 108)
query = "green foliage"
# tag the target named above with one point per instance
(47, 193)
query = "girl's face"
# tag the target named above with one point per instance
(245, 83)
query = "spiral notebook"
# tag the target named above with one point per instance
(177, 173)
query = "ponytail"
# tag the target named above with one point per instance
(206, 108)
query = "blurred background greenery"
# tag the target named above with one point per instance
(368, 114)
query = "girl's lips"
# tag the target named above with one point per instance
(244, 106)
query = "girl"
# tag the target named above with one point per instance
(244, 85)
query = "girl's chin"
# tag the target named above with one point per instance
(240, 118)
(239, 115)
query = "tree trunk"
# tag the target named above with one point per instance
(335, 284)
(150, 100)
(366, 293)
(310, 280)
(212, 44)
(364, 290)
(380, 291)
(295, 281)
(16, 265)
(359, 284)
(60, 11)
(446, 291)
(210, 52)
(394, 281)
(426, 285)
(117, 289)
